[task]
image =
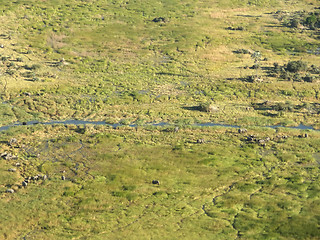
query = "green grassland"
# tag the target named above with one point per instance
(224, 188)
(177, 62)
(141, 60)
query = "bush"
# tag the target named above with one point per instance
(312, 21)
(286, 75)
(255, 66)
(294, 23)
(29, 75)
(235, 29)
(287, 106)
(314, 69)
(3, 59)
(32, 67)
(309, 78)
(207, 107)
(242, 51)
(253, 78)
(297, 77)
(296, 66)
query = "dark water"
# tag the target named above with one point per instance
(301, 127)
(160, 124)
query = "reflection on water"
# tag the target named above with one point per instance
(160, 124)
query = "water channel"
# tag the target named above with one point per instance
(161, 124)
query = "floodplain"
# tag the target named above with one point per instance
(188, 91)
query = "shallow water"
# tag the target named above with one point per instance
(160, 124)
(301, 127)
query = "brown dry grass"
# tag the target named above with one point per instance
(218, 13)
(56, 40)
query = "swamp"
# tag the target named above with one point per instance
(160, 119)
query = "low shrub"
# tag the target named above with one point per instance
(32, 67)
(296, 66)
(208, 107)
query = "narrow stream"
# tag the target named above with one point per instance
(161, 124)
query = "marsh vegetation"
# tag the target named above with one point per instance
(100, 183)
(185, 63)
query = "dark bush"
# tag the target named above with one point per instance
(296, 66)
(242, 51)
(297, 77)
(29, 75)
(3, 59)
(255, 66)
(11, 64)
(254, 78)
(32, 67)
(159, 19)
(286, 75)
(314, 69)
(287, 106)
(251, 78)
(312, 21)
(309, 78)
(236, 28)
(294, 23)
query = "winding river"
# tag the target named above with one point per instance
(86, 122)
